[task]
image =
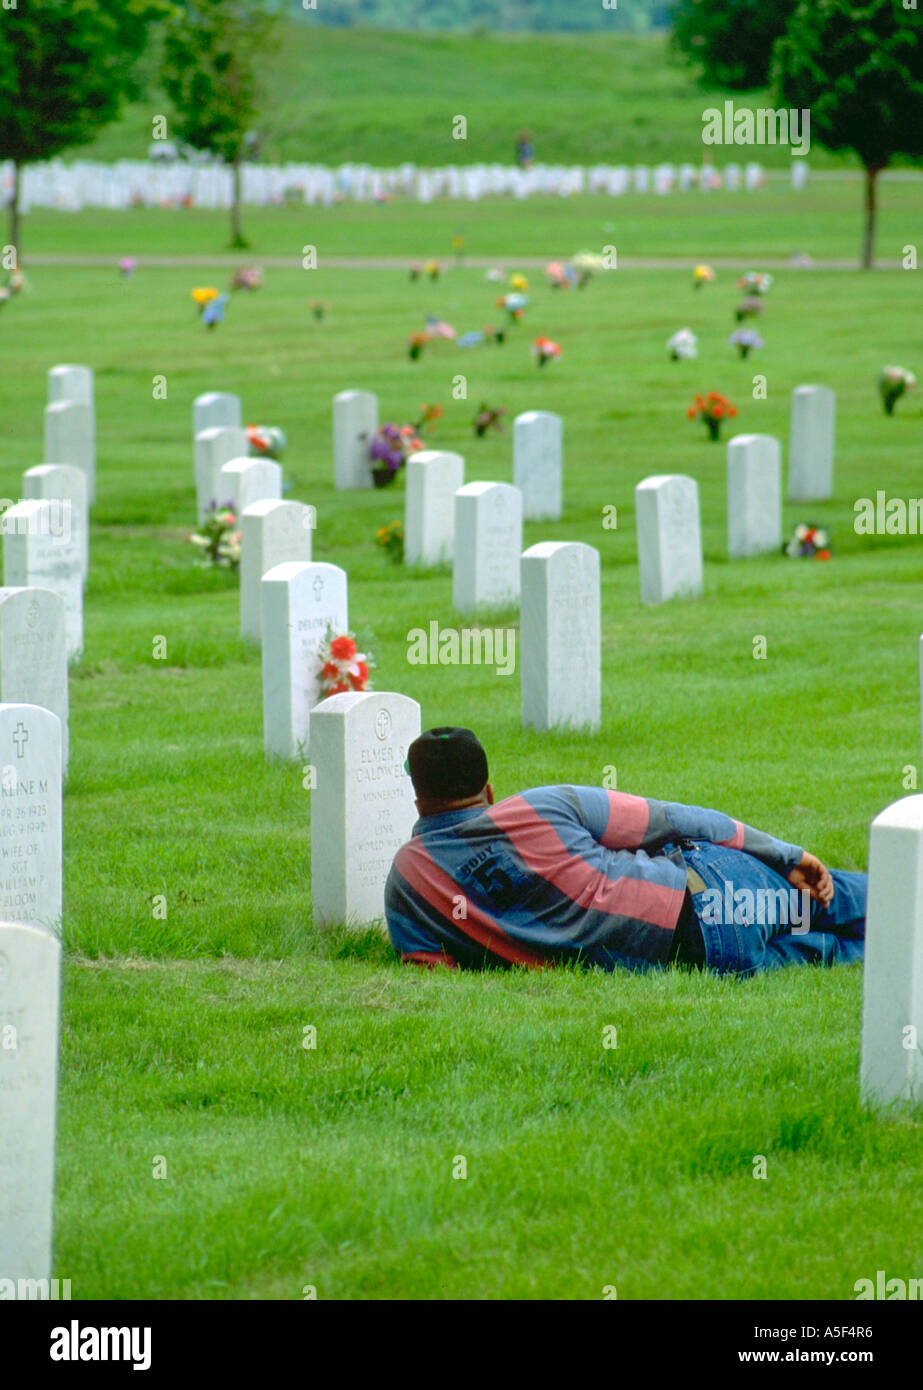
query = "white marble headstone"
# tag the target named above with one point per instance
(69, 383)
(433, 478)
(669, 541)
(215, 410)
(355, 420)
(245, 481)
(213, 448)
(299, 603)
(560, 636)
(488, 545)
(272, 533)
(30, 815)
(810, 450)
(30, 1001)
(40, 551)
(70, 437)
(537, 469)
(33, 653)
(362, 809)
(66, 487)
(754, 479)
(892, 987)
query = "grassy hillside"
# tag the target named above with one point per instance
(384, 98)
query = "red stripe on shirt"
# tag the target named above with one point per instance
(430, 958)
(629, 817)
(737, 839)
(436, 888)
(541, 849)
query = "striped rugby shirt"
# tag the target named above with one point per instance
(556, 873)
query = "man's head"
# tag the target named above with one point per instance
(448, 768)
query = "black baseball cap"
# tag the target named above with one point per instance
(447, 764)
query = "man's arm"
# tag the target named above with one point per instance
(621, 821)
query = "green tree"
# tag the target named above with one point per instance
(731, 39)
(65, 67)
(857, 66)
(213, 51)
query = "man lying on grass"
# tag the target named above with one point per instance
(603, 878)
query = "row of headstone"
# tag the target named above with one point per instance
(214, 447)
(218, 438)
(272, 532)
(166, 180)
(41, 550)
(667, 507)
(537, 471)
(33, 653)
(30, 969)
(302, 602)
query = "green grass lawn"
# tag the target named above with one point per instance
(384, 98)
(825, 221)
(182, 1037)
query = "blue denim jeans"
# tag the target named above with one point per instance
(751, 918)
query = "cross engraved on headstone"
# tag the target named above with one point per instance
(318, 588)
(383, 723)
(20, 737)
(32, 613)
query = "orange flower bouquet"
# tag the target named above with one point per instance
(713, 408)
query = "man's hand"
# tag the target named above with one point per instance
(812, 875)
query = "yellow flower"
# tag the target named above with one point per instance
(518, 282)
(204, 295)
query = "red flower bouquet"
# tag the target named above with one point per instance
(343, 666)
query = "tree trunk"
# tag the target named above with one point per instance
(871, 207)
(14, 211)
(237, 236)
